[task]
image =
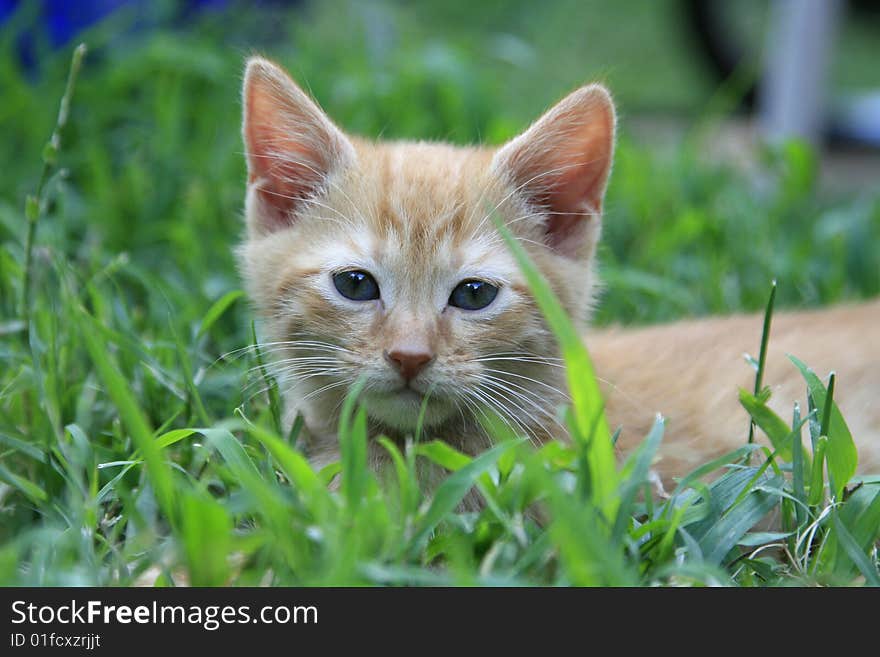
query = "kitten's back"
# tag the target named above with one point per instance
(691, 372)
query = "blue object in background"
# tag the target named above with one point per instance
(62, 20)
(55, 23)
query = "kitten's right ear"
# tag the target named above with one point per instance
(561, 166)
(292, 146)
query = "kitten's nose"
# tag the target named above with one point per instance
(409, 363)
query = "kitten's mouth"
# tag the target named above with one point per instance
(410, 396)
(401, 408)
(408, 392)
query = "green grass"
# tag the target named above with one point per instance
(133, 435)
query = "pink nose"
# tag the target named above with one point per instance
(409, 363)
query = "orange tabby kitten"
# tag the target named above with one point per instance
(381, 260)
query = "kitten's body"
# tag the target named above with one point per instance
(415, 220)
(691, 371)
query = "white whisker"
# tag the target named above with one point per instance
(502, 389)
(527, 378)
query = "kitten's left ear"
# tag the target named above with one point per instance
(561, 164)
(292, 146)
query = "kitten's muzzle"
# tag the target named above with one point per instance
(408, 362)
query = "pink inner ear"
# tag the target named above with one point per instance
(282, 172)
(290, 144)
(565, 233)
(562, 164)
(574, 201)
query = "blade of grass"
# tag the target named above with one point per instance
(711, 466)
(271, 384)
(591, 425)
(443, 455)
(293, 464)
(193, 396)
(798, 466)
(762, 358)
(723, 536)
(217, 309)
(34, 204)
(131, 414)
(406, 480)
(206, 531)
(859, 515)
(452, 491)
(854, 551)
(772, 425)
(353, 447)
(29, 488)
(577, 530)
(840, 454)
(817, 479)
(635, 473)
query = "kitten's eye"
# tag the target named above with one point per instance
(356, 285)
(473, 295)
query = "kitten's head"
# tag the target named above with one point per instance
(381, 259)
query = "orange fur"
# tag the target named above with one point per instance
(418, 217)
(691, 372)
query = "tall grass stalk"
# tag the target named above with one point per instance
(34, 205)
